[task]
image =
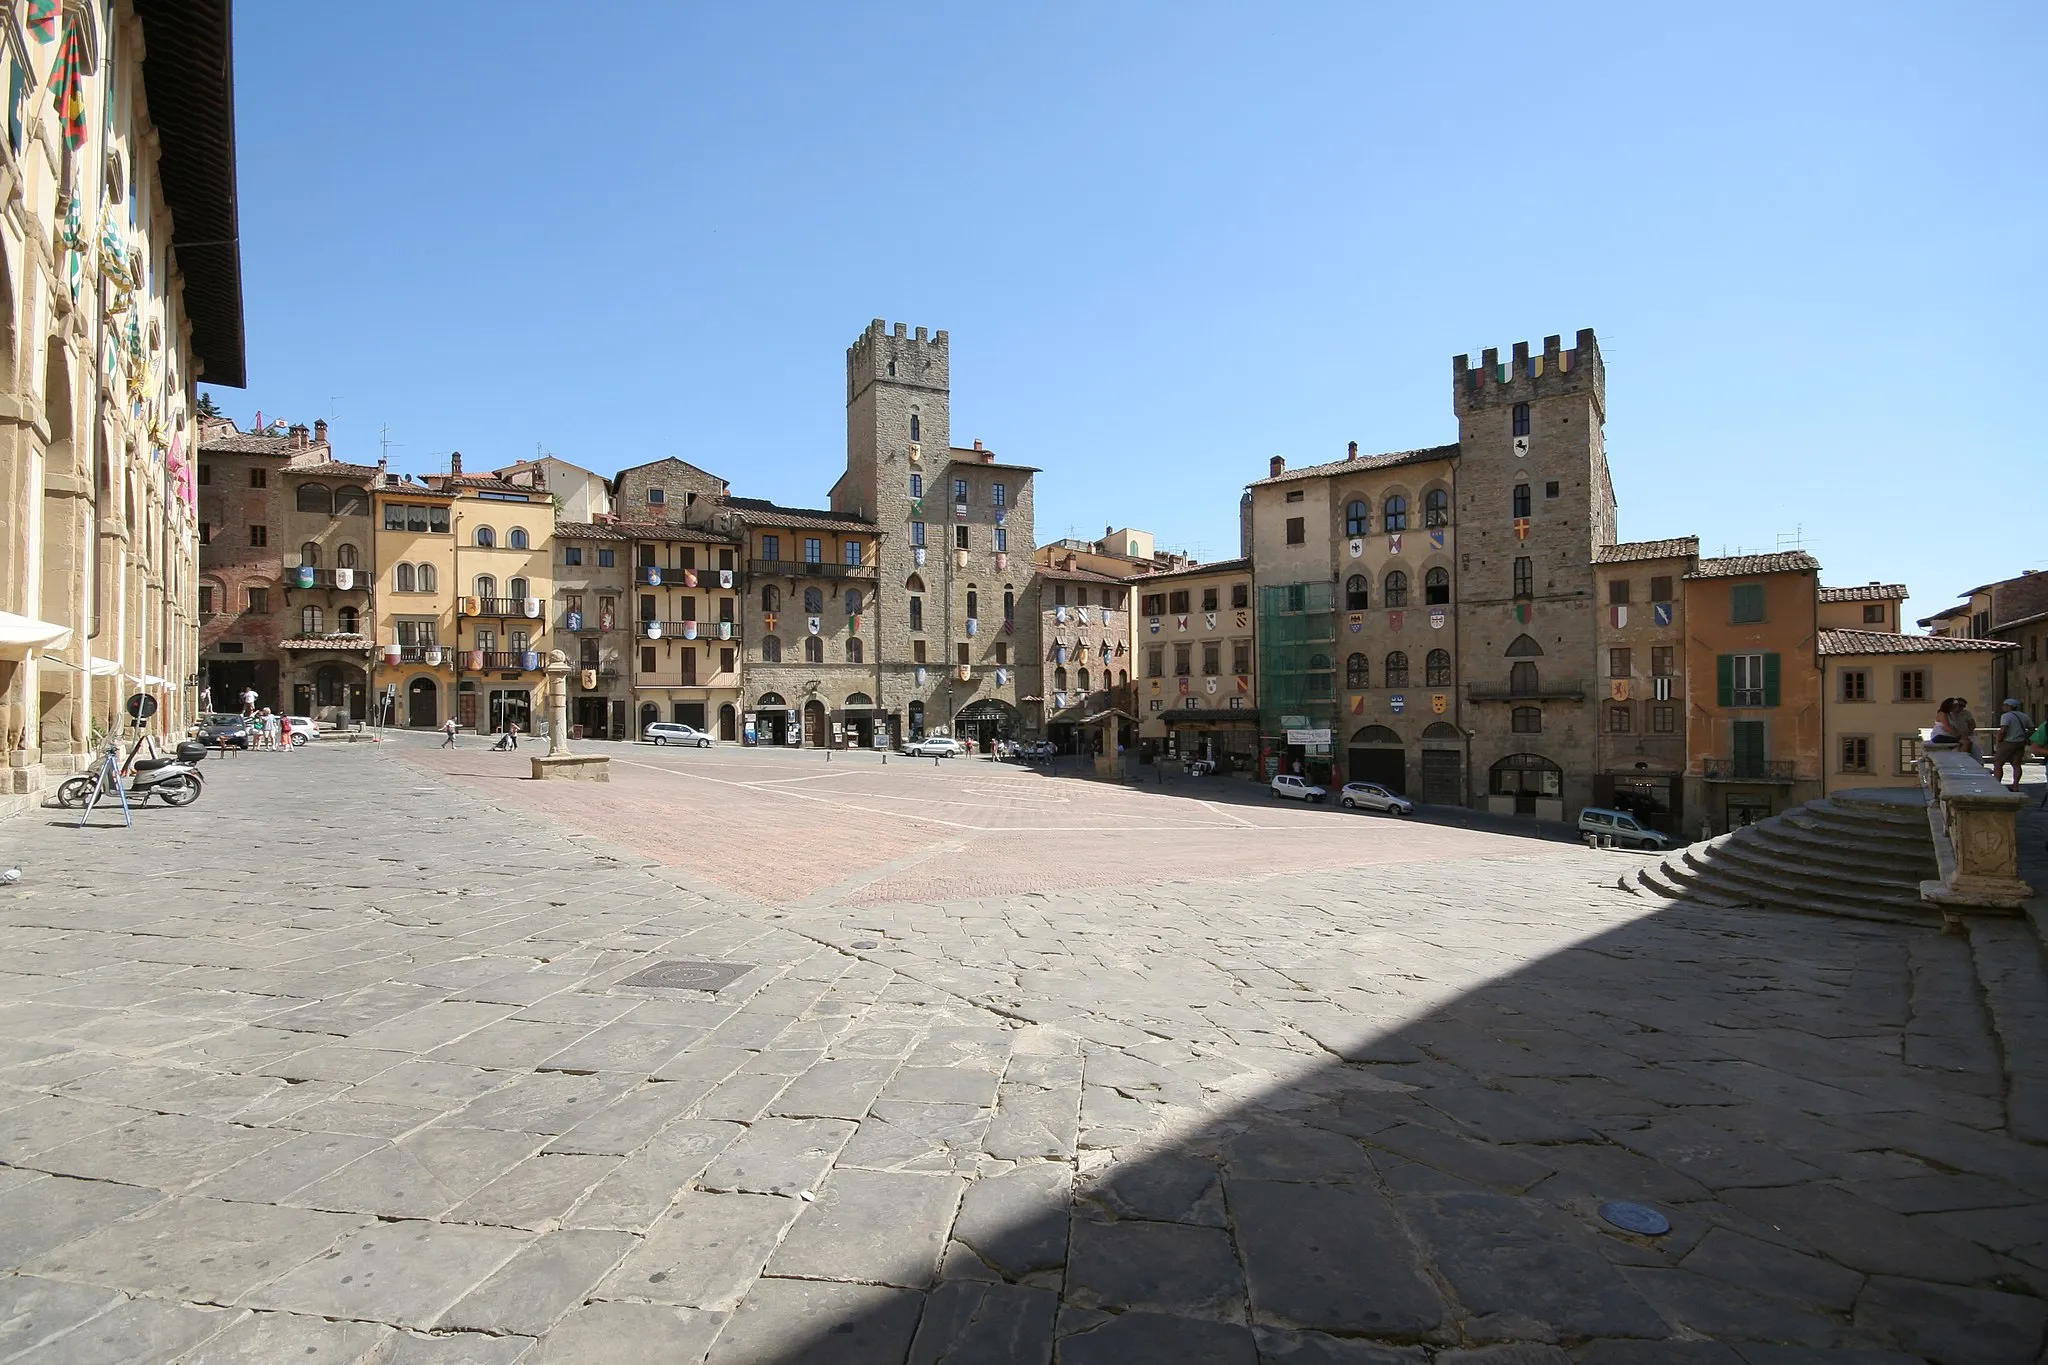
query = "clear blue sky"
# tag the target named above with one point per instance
(1170, 241)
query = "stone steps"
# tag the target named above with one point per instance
(1862, 858)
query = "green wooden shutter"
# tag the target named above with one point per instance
(1724, 677)
(1770, 680)
(1748, 737)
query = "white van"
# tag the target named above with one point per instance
(1624, 829)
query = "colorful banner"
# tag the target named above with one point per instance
(1521, 528)
(1661, 613)
(1437, 617)
(574, 620)
(1358, 706)
(1436, 540)
(1398, 702)
(689, 578)
(1439, 702)
(1394, 620)
(689, 630)
(1393, 545)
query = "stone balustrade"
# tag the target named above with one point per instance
(1976, 836)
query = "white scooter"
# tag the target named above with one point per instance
(176, 780)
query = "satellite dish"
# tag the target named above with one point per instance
(141, 706)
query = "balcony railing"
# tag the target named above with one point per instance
(494, 606)
(673, 630)
(1750, 769)
(359, 579)
(510, 659)
(810, 568)
(417, 654)
(1546, 690)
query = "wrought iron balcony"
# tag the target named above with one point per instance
(359, 579)
(509, 660)
(1549, 689)
(495, 606)
(809, 568)
(1778, 770)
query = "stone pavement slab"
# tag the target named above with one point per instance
(1278, 1086)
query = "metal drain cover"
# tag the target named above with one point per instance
(690, 976)
(1636, 1218)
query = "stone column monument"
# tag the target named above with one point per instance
(558, 763)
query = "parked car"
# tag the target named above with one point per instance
(1297, 788)
(1623, 828)
(935, 746)
(303, 728)
(225, 731)
(675, 732)
(1372, 796)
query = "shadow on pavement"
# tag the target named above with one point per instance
(1816, 1106)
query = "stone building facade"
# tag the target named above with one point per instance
(809, 673)
(1535, 505)
(120, 288)
(1357, 569)
(415, 598)
(2014, 609)
(243, 543)
(1195, 646)
(957, 540)
(1085, 624)
(662, 490)
(1864, 606)
(593, 617)
(503, 571)
(1640, 660)
(327, 585)
(687, 641)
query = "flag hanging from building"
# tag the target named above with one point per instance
(1439, 702)
(42, 20)
(1358, 706)
(1436, 540)
(67, 83)
(1620, 615)
(1521, 528)
(1393, 620)
(1522, 613)
(1661, 613)
(1393, 545)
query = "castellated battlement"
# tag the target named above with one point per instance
(1523, 378)
(921, 360)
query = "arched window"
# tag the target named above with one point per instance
(515, 588)
(914, 583)
(853, 649)
(1526, 777)
(1521, 500)
(1357, 675)
(1395, 514)
(1357, 517)
(309, 555)
(914, 716)
(351, 502)
(430, 578)
(1396, 670)
(1009, 603)
(486, 586)
(1123, 679)
(312, 621)
(1436, 508)
(1441, 730)
(814, 601)
(1437, 668)
(345, 556)
(402, 579)
(771, 597)
(1522, 678)
(516, 538)
(814, 650)
(1523, 647)
(973, 604)
(316, 497)
(771, 649)
(486, 537)
(348, 621)
(1059, 679)
(1526, 720)
(1375, 734)
(1357, 597)
(1319, 675)
(914, 428)
(1436, 587)
(853, 601)
(1396, 592)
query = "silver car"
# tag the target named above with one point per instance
(1372, 796)
(936, 746)
(675, 732)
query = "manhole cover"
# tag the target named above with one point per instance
(690, 976)
(1636, 1218)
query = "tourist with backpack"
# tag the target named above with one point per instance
(2014, 728)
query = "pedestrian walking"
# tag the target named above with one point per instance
(2014, 726)
(449, 730)
(512, 732)
(248, 701)
(284, 733)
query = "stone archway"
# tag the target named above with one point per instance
(1377, 755)
(423, 704)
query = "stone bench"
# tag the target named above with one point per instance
(1976, 837)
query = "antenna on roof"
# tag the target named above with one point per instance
(384, 443)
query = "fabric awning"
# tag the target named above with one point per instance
(20, 634)
(150, 680)
(104, 668)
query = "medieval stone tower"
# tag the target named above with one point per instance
(955, 598)
(1534, 503)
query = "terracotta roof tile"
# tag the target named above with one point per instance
(1866, 592)
(1882, 642)
(1745, 566)
(761, 512)
(1635, 551)
(1225, 566)
(1362, 464)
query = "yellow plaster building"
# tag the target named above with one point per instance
(1881, 691)
(414, 602)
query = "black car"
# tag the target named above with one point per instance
(225, 732)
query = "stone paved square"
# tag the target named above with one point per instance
(1003, 1066)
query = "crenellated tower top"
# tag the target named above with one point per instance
(920, 361)
(1525, 378)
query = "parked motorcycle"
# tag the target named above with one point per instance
(176, 780)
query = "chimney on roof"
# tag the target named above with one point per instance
(1069, 561)
(1279, 466)
(297, 431)
(454, 462)
(320, 430)
(1354, 451)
